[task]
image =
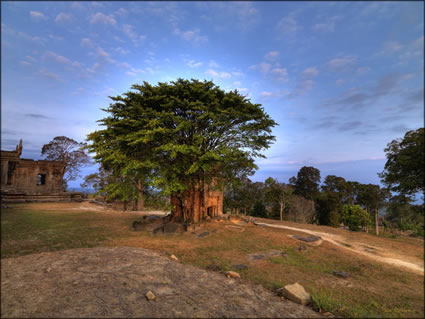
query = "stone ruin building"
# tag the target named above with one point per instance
(29, 180)
(207, 202)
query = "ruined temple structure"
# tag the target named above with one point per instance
(200, 204)
(28, 180)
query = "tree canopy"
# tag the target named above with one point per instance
(307, 182)
(65, 149)
(187, 132)
(404, 169)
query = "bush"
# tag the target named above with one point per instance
(354, 217)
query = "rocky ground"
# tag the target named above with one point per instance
(115, 282)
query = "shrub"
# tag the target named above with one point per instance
(354, 217)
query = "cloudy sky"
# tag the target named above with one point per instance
(342, 79)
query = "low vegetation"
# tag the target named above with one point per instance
(371, 290)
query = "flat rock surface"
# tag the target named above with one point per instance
(113, 282)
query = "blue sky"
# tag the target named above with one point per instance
(342, 79)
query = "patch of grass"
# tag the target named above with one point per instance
(372, 289)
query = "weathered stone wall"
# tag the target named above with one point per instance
(22, 175)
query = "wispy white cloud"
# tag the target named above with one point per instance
(105, 55)
(193, 64)
(193, 35)
(129, 31)
(266, 94)
(311, 72)
(58, 58)
(49, 75)
(288, 25)
(220, 75)
(25, 63)
(121, 12)
(87, 43)
(37, 15)
(122, 51)
(55, 37)
(341, 62)
(272, 55)
(213, 64)
(101, 18)
(327, 26)
(262, 67)
(281, 73)
(63, 18)
(362, 70)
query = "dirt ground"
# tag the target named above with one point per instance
(379, 254)
(112, 282)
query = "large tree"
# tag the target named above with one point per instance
(69, 151)
(404, 169)
(307, 182)
(191, 134)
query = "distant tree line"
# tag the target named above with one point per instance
(338, 201)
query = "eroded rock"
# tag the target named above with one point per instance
(173, 257)
(232, 274)
(239, 267)
(150, 296)
(308, 239)
(296, 293)
(341, 274)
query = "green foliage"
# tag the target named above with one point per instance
(277, 195)
(69, 151)
(404, 169)
(307, 182)
(186, 133)
(259, 210)
(354, 217)
(328, 205)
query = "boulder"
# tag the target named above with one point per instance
(232, 274)
(341, 274)
(296, 293)
(301, 248)
(150, 296)
(173, 257)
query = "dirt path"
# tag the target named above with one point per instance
(360, 249)
(112, 282)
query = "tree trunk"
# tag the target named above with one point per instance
(244, 211)
(376, 221)
(188, 206)
(140, 200)
(125, 205)
(281, 210)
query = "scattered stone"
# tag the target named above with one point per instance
(173, 257)
(296, 293)
(301, 248)
(75, 283)
(251, 220)
(213, 267)
(308, 239)
(150, 296)
(203, 234)
(47, 270)
(267, 254)
(232, 274)
(341, 274)
(239, 267)
(257, 257)
(328, 314)
(207, 218)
